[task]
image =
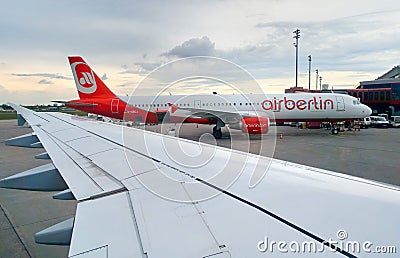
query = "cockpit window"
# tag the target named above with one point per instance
(356, 102)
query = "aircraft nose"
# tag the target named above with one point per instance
(367, 111)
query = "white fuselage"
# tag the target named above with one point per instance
(284, 107)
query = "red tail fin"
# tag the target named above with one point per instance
(87, 82)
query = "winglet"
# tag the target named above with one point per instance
(173, 107)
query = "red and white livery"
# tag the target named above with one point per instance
(250, 113)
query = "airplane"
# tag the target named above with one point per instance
(250, 113)
(140, 194)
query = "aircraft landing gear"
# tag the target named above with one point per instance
(217, 133)
(335, 129)
(217, 129)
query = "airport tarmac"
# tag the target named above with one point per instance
(23, 213)
(371, 153)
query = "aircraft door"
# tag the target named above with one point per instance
(197, 104)
(340, 103)
(114, 105)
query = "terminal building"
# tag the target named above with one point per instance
(381, 95)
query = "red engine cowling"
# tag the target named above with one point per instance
(255, 125)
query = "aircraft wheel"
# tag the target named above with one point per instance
(335, 130)
(217, 133)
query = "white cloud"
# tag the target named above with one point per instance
(44, 75)
(193, 47)
(45, 82)
(35, 96)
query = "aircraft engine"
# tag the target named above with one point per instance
(252, 125)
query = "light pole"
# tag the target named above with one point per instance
(316, 80)
(296, 45)
(309, 72)
(320, 82)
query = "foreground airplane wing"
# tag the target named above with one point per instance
(129, 206)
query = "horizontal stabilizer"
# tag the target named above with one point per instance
(25, 140)
(58, 234)
(36, 145)
(43, 155)
(81, 104)
(43, 178)
(64, 195)
(21, 120)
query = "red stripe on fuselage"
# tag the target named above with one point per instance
(119, 111)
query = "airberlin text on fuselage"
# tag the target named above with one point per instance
(300, 104)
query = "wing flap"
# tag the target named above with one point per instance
(119, 164)
(111, 221)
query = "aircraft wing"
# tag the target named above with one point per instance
(142, 194)
(226, 116)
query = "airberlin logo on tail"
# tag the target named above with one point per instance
(84, 77)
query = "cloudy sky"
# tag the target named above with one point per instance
(350, 41)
